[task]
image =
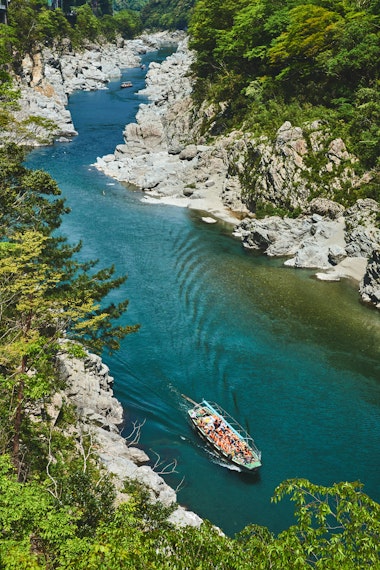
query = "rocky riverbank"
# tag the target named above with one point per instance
(49, 76)
(165, 155)
(158, 155)
(100, 416)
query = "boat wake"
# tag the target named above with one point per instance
(228, 466)
(219, 461)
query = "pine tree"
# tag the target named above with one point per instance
(45, 293)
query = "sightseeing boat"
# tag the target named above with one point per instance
(228, 438)
(126, 84)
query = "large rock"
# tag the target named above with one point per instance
(309, 239)
(362, 233)
(325, 207)
(370, 285)
(89, 388)
(279, 172)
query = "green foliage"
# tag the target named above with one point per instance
(267, 62)
(133, 5)
(53, 26)
(75, 350)
(128, 23)
(32, 24)
(337, 526)
(87, 24)
(166, 14)
(92, 499)
(8, 96)
(32, 522)
(263, 209)
(45, 294)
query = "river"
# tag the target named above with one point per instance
(295, 360)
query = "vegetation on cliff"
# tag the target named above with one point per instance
(34, 24)
(167, 14)
(262, 63)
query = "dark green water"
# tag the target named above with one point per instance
(294, 359)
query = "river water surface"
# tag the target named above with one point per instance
(295, 360)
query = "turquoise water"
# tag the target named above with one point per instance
(295, 360)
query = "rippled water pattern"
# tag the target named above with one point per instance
(295, 360)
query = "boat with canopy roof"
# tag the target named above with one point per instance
(224, 434)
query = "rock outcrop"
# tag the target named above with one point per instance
(370, 285)
(280, 173)
(89, 388)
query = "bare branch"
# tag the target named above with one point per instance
(180, 485)
(168, 468)
(134, 437)
(85, 454)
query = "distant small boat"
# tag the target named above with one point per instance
(126, 84)
(228, 438)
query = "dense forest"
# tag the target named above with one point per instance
(264, 61)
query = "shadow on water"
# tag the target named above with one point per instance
(249, 478)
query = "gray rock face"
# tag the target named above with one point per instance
(370, 285)
(362, 234)
(309, 240)
(278, 172)
(89, 388)
(326, 208)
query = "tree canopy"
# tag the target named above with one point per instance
(264, 58)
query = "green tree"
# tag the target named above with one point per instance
(8, 95)
(87, 25)
(210, 19)
(128, 23)
(53, 26)
(312, 30)
(23, 18)
(45, 293)
(166, 14)
(337, 527)
(32, 523)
